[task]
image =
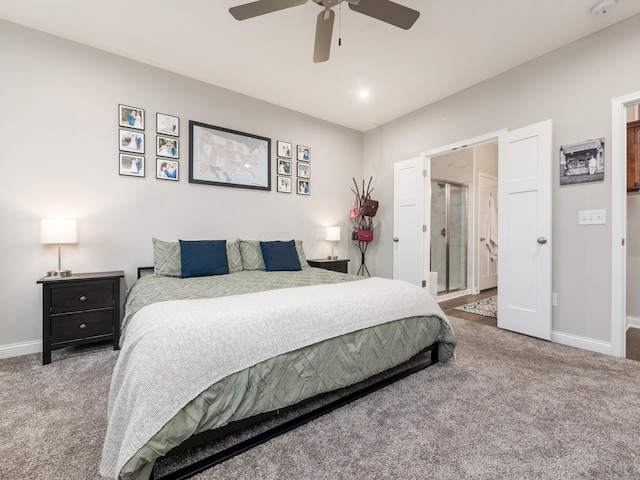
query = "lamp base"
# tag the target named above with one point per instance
(59, 273)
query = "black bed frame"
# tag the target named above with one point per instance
(223, 455)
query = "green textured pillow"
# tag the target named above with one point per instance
(251, 255)
(166, 258)
(234, 257)
(301, 256)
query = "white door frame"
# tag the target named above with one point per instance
(619, 221)
(488, 137)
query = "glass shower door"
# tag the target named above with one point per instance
(449, 235)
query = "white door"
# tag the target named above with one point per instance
(410, 215)
(487, 232)
(524, 230)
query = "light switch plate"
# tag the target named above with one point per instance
(592, 217)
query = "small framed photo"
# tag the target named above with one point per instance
(167, 169)
(284, 149)
(304, 153)
(303, 187)
(167, 147)
(284, 184)
(167, 125)
(131, 141)
(284, 166)
(132, 165)
(303, 170)
(131, 117)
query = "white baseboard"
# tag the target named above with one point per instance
(633, 322)
(17, 349)
(582, 342)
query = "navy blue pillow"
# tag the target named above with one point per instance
(201, 258)
(280, 256)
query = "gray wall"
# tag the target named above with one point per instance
(60, 158)
(573, 86)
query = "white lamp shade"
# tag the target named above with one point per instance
(332, 234)
(58, 230)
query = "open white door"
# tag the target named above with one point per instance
(524, 230)
(410, 217)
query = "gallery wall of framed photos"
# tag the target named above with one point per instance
(293, 166)
(286, 167)
(131, 143)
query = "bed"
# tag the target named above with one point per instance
(205, 353)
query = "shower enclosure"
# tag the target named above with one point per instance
(449, 235)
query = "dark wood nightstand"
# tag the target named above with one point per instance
(340, 265)
(82, 308)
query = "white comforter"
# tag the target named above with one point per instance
(175, 350)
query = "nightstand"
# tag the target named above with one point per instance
(78, 309)
(335, 265)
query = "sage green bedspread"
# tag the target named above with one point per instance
(286, 379)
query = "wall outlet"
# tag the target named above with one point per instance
(554, 299)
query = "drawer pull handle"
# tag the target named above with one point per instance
(83, 326)
(83, 298)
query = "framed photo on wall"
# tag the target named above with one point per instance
(284, 149)
(284, 166)
(132, 165)
(224, 157)
(582, 162)
(303, 187)
(304, 153)
(167, 169)
(167, 125)
(130, 141)
(167, 147)
(303, 170)
(131, 117)
(284, 184)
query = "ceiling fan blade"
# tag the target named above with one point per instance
(388, 12)
(324, 29)
(261, 7)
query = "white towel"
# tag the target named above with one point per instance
(491, 237)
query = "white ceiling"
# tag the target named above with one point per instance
(453, 45)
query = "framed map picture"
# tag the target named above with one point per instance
(219, 156)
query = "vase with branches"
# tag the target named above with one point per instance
(362, 215)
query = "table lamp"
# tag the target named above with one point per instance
(58, 230)
(332, 234)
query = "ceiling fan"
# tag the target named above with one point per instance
(385, 10)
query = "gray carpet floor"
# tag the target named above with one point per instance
(508, 407)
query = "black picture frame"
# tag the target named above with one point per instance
(304, 170)
(131, 117)
(303, 186)
(167, 125)
(284, 166)
(131, 165)
(284, 149)
(284, 184)
(224, 147)
(168, 147)
(304, 154)
(131, 141)
(167, 169)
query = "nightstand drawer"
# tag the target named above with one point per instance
(81, 325)
(76, 298)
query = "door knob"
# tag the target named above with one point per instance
(396, 239)
(542, 240)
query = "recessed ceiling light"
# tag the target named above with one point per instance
(603, 7)
(364, 93)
